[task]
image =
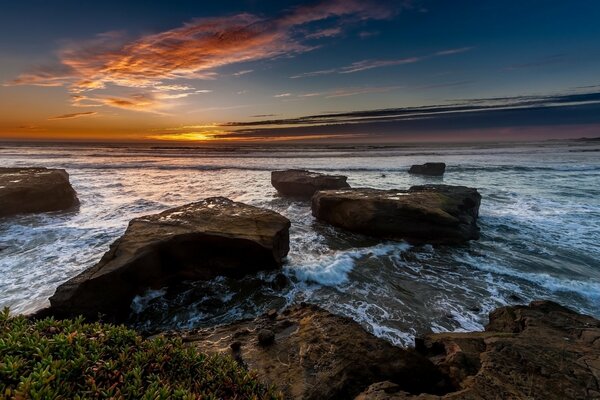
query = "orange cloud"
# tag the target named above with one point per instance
(72, 116)
(192, 51)
(141, 101)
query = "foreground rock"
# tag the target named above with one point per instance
(198, 241)
(422, 214)
(303, 183)
(540, 351)
(35, 190)
(432, 169)
(313, 354)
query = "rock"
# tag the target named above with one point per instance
(303, 183)
(423, 214)
(35, 190)
(318, 355)
(266, 337)
(197, 241)
(432, 169)
(541, 351)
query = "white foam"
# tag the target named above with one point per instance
(141, 302)
(588, 289)
(332, 268)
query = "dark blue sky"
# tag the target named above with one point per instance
(190, 67)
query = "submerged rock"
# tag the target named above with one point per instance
(313, 354)
(197, 241)
(422, 214)
(303, 183)
(541, 351)
(35, 190)
(432, 169)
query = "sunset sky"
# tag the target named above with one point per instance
(351, 70)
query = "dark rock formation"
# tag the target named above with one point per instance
(318, 355)
(540, 351)
(432, 169)
(303, 183)
(35, 190)
(266, 337)
(422, 214)
(197, 241)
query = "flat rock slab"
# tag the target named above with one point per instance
(423, 214)
(303, 183)
(197, 241)
(35, 190)
(432, 169)
(540, 351)
(313, 354)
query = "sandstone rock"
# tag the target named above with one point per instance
(465, 198)
(197, 241)
(303, 183)
(35, 190)
(432, 169)
(422, 214)
(318, 355)
(540, 351)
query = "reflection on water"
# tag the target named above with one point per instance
(540, 223)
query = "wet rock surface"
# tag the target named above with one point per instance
(431, 169)
(303, 183)
(197, 241)
(423, 214)
(540, 351)
(35, 190)
(317, 355)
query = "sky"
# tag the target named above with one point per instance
(279, 71)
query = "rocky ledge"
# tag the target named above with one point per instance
(423, 214)
(303, 183)
(310, 353)
(35, 190)
(540, 351)
(432, 169)
(197, 241)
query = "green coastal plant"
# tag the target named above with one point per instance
(71, 359)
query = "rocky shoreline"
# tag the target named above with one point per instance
(538, 351)
(542, 350)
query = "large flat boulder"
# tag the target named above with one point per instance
(197, 241)
(35, 190)
(303, 183)
(540, 351)
(423, 214)
(431, 169)
(309, 353)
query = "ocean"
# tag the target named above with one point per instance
(539, 220)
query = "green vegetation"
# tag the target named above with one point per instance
(70, 359)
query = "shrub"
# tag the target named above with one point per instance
(71, 359)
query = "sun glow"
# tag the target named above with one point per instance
(209, 135)
(215, 136)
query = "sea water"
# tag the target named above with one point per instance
(539, 219)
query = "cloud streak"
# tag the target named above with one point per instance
(353, 91)
(72, 116)
(562, 105)
(365, 65)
